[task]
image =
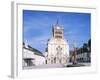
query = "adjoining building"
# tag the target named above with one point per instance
(83, 54)
(32, 56)
(57, 51)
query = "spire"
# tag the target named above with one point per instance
(57, 24)
(57, 21)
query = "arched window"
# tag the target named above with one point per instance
(59, 50)
(54, 59)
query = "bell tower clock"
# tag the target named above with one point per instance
(57, 31)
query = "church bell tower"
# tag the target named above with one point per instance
(57, 31)
(58, 48)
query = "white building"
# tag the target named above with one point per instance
(32, 57)
(83, 57)
(58, 48)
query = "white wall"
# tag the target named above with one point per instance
(28, 54)
(5, 42)
(39, 60)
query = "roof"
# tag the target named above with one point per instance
(29, 59)
(37, 52)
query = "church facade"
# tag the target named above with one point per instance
(57, 47)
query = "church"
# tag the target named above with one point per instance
(57, 51)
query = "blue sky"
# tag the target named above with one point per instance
(37, 27)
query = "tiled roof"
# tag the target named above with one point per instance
(37, 52)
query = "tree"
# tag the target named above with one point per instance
(89, 45)
(85, 47)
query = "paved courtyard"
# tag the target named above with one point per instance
(45, 66)
(58, 66)
(78, 64)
